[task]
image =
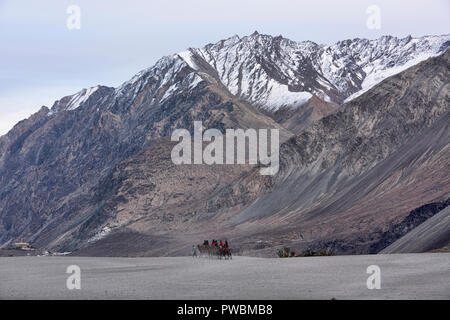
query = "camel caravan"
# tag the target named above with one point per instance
(218, 249)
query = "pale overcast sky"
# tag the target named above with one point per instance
(41, 60)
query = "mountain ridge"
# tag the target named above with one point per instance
(434, 44)
(100, 157)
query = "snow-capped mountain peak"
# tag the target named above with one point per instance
(275, 72)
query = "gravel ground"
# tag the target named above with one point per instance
(403, 276)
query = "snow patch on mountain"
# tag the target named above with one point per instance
(377, 75)
(187, 57)
(163, 77)
(399, 58)
(279, 96)
(79, 98)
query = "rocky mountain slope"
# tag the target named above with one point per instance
(342, 183)
(94, 173)
(432, 234)
(416, 217)
(345, 179)
(58, 158)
